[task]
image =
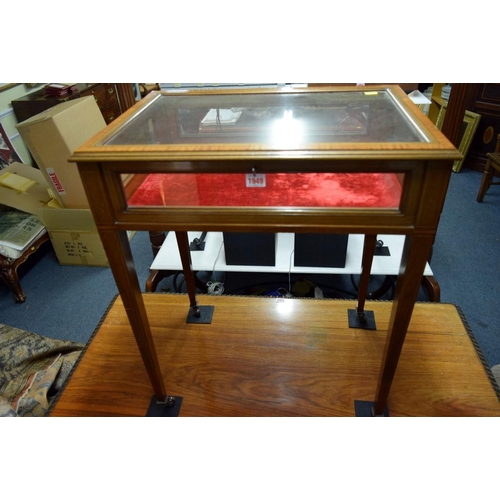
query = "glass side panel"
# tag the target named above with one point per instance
(277, 121)
(327, 190)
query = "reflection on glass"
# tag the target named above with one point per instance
(287, 131)
(275, 120)
(329, 190)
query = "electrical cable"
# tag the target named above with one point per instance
(215, 288)
(289, 294)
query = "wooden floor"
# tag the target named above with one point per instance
(288, 357)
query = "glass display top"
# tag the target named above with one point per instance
(274, 120)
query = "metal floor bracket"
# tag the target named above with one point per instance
(366, 409)
(355, 321)
(204, 317)
(159, 409)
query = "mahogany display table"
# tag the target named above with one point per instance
(263, 138)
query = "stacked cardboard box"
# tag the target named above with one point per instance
(72, 231)
(51, 137)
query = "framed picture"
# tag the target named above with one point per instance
(467, 132)
(8, 154)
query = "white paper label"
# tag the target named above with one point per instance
(55, 180)
(256, 180)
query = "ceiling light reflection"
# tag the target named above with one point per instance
(284, 306)
(287, 131)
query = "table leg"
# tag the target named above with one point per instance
(361, 318)
(415, 253)
(183, 244)
(120, 258)
(366, 267)
(197, 314)
(157, 238)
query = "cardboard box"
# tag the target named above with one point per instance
(74, 236)
(25, 188)
(73, 232)
(53, 135)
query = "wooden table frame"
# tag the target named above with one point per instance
(427, 167)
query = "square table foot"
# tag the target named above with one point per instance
(366, 409)
(157, 409)
(205, 316)
(355, 322)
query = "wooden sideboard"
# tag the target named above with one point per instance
(108, 96)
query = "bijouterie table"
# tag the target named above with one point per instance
(271, 149)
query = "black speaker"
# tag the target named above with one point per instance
(250, 249)
(320, 250)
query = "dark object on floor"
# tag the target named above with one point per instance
(492, 164)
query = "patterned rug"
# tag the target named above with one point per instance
(33, 370)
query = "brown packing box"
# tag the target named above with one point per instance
(74, 236)
(73, 232)
(53, 135)
(29, 197)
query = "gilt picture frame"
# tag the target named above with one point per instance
(467, 131)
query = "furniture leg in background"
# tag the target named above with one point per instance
(492, 164)
(8, 268)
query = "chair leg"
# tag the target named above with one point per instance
(11, 279)
(433, 289)
(8, 268)
(485, 181)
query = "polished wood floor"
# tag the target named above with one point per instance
(288, 357)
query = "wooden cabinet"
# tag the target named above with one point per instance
(480, 98)
(104, 93)
(106, 98)
(486, 103)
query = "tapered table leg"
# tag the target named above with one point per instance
(415, 253)
(197, 314)
(361, 318)
(120, 258)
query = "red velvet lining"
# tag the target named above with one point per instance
(282, 190)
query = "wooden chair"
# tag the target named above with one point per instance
(492, 164)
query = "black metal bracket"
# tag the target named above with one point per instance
(367, 409)
(381, 250)
(364, 319)
(200, 314)
(198, 244)
(170, 407)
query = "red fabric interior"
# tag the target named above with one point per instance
(281, 190)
